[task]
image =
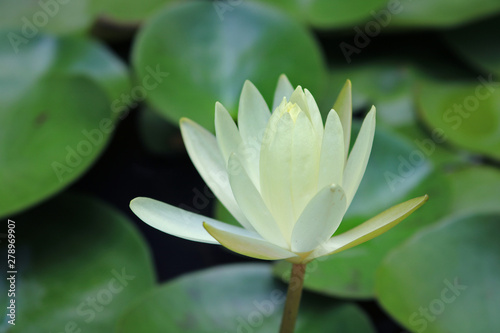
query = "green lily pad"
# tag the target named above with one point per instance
(386, 85)
(24, 20)
(216, 53)
(328, 14)
(443, 13)
(466, 113)
(127, 11)
(79, 263)
(475, 190)
(55, 116)
(479, 44)
(235, 298)
(395, 168)
(445, 279)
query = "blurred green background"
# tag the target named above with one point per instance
(90, 96)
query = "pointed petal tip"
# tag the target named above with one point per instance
(184, 121)
(219, 108)
(248, 84)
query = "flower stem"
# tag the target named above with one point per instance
(293, 298)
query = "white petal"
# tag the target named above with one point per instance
(252, 204)
(204, 152)
(226, 132)
(248, 243)
(331, 165)
(314, 114)
(298, 97)
(173, 220)
(305, 152)
(343, 106)
(253, 115)
(275, 171)
(320, 219)
(370, 229)
(283, 89)
(358, 158)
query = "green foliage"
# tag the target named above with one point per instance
(455, 266)
(80, 263)
(55, 117)
(217, 52)
(63, 93)
(241, 297)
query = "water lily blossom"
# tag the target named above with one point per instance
(286, 178)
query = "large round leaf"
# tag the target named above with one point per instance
(479, 44)
(475, 190)
(194, 55)
(445, 279)
(395, 167)
(467, 113)
(55, 115)
(330, 14)
(25, 19)
(79, 263)
(443, 13)
(126, 11)
(387, 85)
(235, 298)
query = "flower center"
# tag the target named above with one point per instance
(293, 109)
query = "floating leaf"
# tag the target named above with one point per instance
(331, 14)
(388, 86)
(235, 298)
(445, 279)
(80, 264)
(475, 190)
(479, 44)
(126, 11)
(55, 116)
(465, 112)
(216, 52)
(443, 13)
(24, 20)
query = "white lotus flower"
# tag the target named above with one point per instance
(286, 179)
